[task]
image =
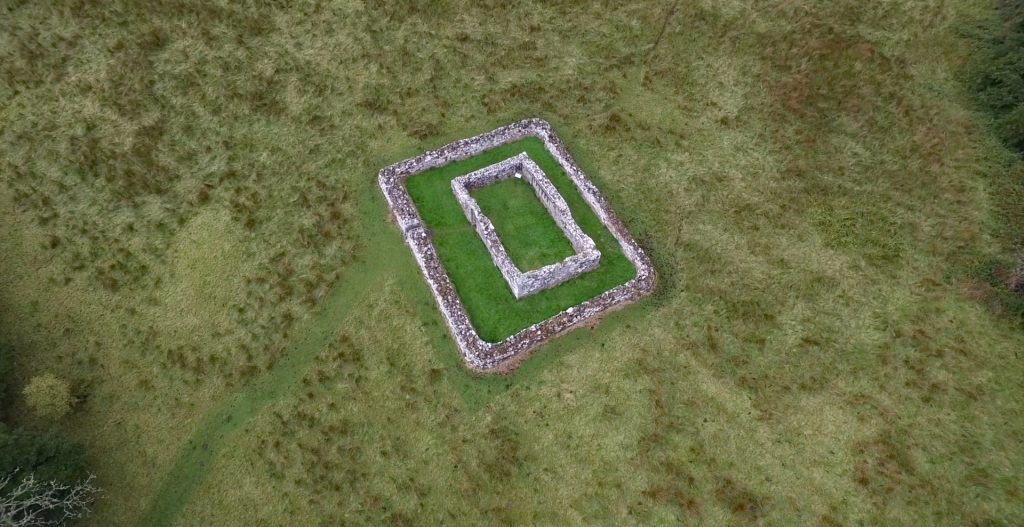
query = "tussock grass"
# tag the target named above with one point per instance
(115, 141)
(998, 72)
(809, 178)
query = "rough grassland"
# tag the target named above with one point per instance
(188, 187)
(527, 230)
(495, 312)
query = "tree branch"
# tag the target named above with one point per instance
(42, 503)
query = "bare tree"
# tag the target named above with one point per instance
(33, 503)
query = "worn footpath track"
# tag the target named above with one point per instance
(380, 257)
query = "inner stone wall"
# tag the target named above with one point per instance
(522, 283)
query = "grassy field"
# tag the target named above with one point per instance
(495, 312)
(192, 235)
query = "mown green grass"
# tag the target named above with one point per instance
(494, 311)
(527, 230)
(809, 177)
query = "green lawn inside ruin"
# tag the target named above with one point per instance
(521, 221)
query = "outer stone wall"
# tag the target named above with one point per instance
(504, 356)
(522, 283)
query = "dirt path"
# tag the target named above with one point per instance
(198, 456)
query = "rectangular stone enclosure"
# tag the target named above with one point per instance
(503, 356)
(522, 283)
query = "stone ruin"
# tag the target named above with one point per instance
(523, 284)
(503, 356)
